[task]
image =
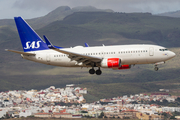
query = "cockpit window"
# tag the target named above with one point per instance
(163, 49)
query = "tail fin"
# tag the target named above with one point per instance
(29, 38)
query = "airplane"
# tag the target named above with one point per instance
(116, 57)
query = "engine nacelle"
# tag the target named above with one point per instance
(125, 67)
(111, 63)
(114, 63)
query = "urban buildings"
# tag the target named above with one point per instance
(69, 102)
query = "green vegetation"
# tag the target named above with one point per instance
(175, 114)
(163, 103)
(101, 115)
(64, 104)
(96, 29)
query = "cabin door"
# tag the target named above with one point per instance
(48, 59)
(151, 51)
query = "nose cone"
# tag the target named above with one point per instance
(172, 54)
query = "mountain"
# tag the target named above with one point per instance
(55, 15)
(175, 14)
(114, 28)
(95, 28)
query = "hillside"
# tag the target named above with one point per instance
(95, 28)
(58, 14)
(175, 14)
(113, 28)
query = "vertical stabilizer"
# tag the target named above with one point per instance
(29, 38)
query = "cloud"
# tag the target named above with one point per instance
(37, 8)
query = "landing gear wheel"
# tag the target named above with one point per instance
(156, 68)
(98, 72)
(91, 71)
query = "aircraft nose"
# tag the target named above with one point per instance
(172, 54)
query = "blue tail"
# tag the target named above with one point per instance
(86, 45)
(29, 38)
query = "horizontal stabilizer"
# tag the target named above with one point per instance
(20, 52)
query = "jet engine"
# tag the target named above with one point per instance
(114, 63)
(125, 67)
(111, 63)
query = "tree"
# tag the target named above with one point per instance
(84, 111)
(178, 99)
(101, 115)
(6, 116)
(165, 102)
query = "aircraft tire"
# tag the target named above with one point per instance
(98, 72)
(156, 68)
(91, 71)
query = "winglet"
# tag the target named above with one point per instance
(86, 45)
(49, 44)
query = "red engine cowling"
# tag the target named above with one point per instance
(114, 63)
(125, 67)
(111, 63)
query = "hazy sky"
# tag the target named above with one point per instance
(36, 8)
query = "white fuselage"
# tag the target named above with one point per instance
(129, 55)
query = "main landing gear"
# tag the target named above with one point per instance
(98, 71)
(156, 68)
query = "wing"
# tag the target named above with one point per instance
(80, 58)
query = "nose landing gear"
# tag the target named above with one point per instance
(156, 68)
